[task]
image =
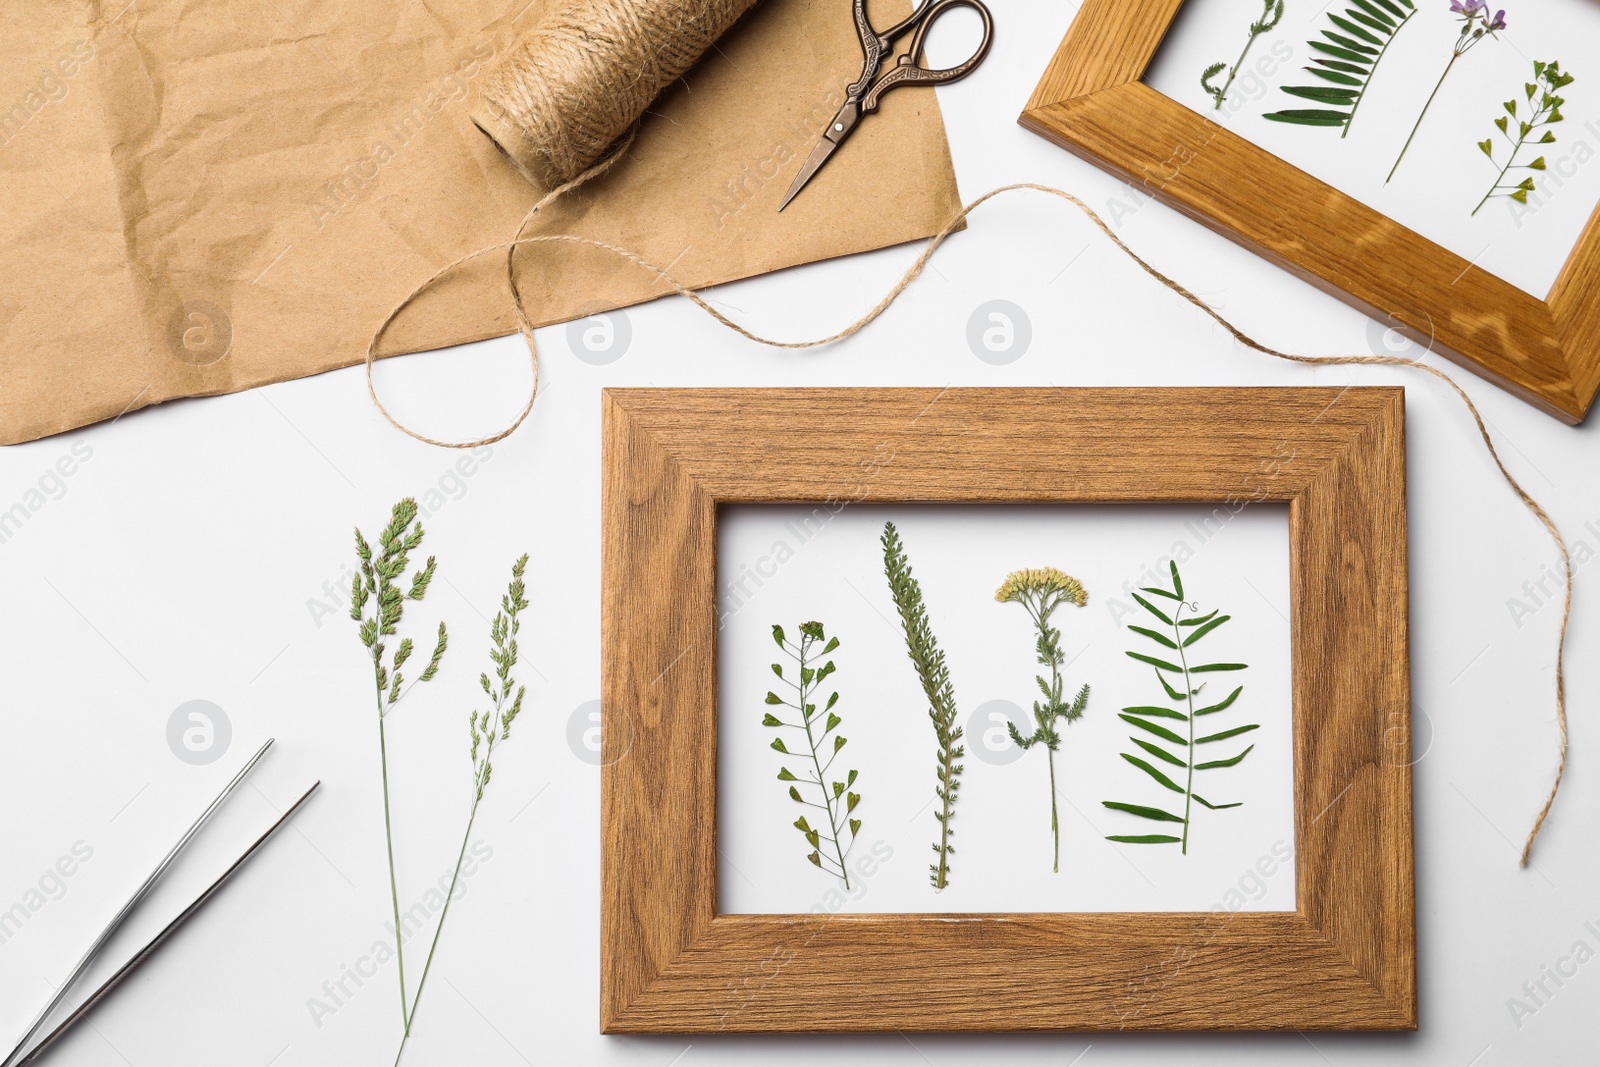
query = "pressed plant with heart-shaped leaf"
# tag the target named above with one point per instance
(1347, 59)
(1040, 590)
(819, 728)
(1543, 102)
(1168, 735)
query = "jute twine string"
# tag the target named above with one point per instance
(524, 324)
(526, 327)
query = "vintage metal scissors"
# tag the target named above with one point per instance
(862, 96)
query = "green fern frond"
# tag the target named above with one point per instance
(1347, 60)
(1176, 747)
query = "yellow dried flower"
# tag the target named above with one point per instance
(1041, 581)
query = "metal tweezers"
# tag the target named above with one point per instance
(16, 1058)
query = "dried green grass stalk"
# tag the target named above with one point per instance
(1040, 591)
(838, 802)
(1178, 745)
(380, 582)
(488, 729)
(928, 659)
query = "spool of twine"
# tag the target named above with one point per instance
(585, 73)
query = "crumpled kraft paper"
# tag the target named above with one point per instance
(208, 197)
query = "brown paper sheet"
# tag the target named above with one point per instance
(208, 198)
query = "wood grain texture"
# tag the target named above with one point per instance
(1091, 102)
(1345, 959)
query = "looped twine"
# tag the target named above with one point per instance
(899, 287)
(524, 324)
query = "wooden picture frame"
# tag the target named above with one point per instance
(1093, 102)
(1345, 959)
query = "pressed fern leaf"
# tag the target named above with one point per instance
(1177, 746)
(1346, 60)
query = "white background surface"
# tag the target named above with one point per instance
(1445, 173)
(179, 561)
(960, 555)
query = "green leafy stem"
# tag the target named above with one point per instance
(1271, 15)
(838, 802)
(1548, 81)
(1349, 58)
(934, 675)
(1176, 750)
(1477, 25)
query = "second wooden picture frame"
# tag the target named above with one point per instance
(1092, 100)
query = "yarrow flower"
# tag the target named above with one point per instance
(1040, 591)
(1041, 582)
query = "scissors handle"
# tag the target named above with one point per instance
(908, 69)
(873, 45)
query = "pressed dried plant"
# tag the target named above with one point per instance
(1271, 15)
(380, 582)
(489, 729)
(1477, 25)
(1347, 60)
(1177, 747)
(829, 847)
(1543, 101)
(1040, 591)
(934, 675)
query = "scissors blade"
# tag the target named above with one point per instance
(819, 156)
(839, 128)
